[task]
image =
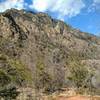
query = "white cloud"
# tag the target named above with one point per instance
(18, 4)
(64, 8)
(42, 5)
(95, 6)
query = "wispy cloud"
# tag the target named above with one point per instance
(96, 1)
(63, 8)
(7, 4)
(95, 6)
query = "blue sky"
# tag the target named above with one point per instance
(81, 14)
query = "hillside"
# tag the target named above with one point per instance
(47, 55)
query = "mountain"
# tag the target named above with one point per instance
(46, 55)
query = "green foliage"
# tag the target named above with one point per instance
(4, 78)
(78, 75)
(40, 65)
(15, 70)
(41, 76)
(45, 81)
(9, 93)
(79, 72)
(21, 70)
(3, 57)
(12, 72)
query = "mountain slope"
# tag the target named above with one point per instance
(47, 54)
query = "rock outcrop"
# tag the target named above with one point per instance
(46, 54)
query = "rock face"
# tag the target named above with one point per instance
(38, 51)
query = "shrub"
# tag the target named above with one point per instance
(9, 93)
(4, 78)
(80, 75)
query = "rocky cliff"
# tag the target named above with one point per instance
(46, 54)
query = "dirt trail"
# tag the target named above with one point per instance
(77, 98)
